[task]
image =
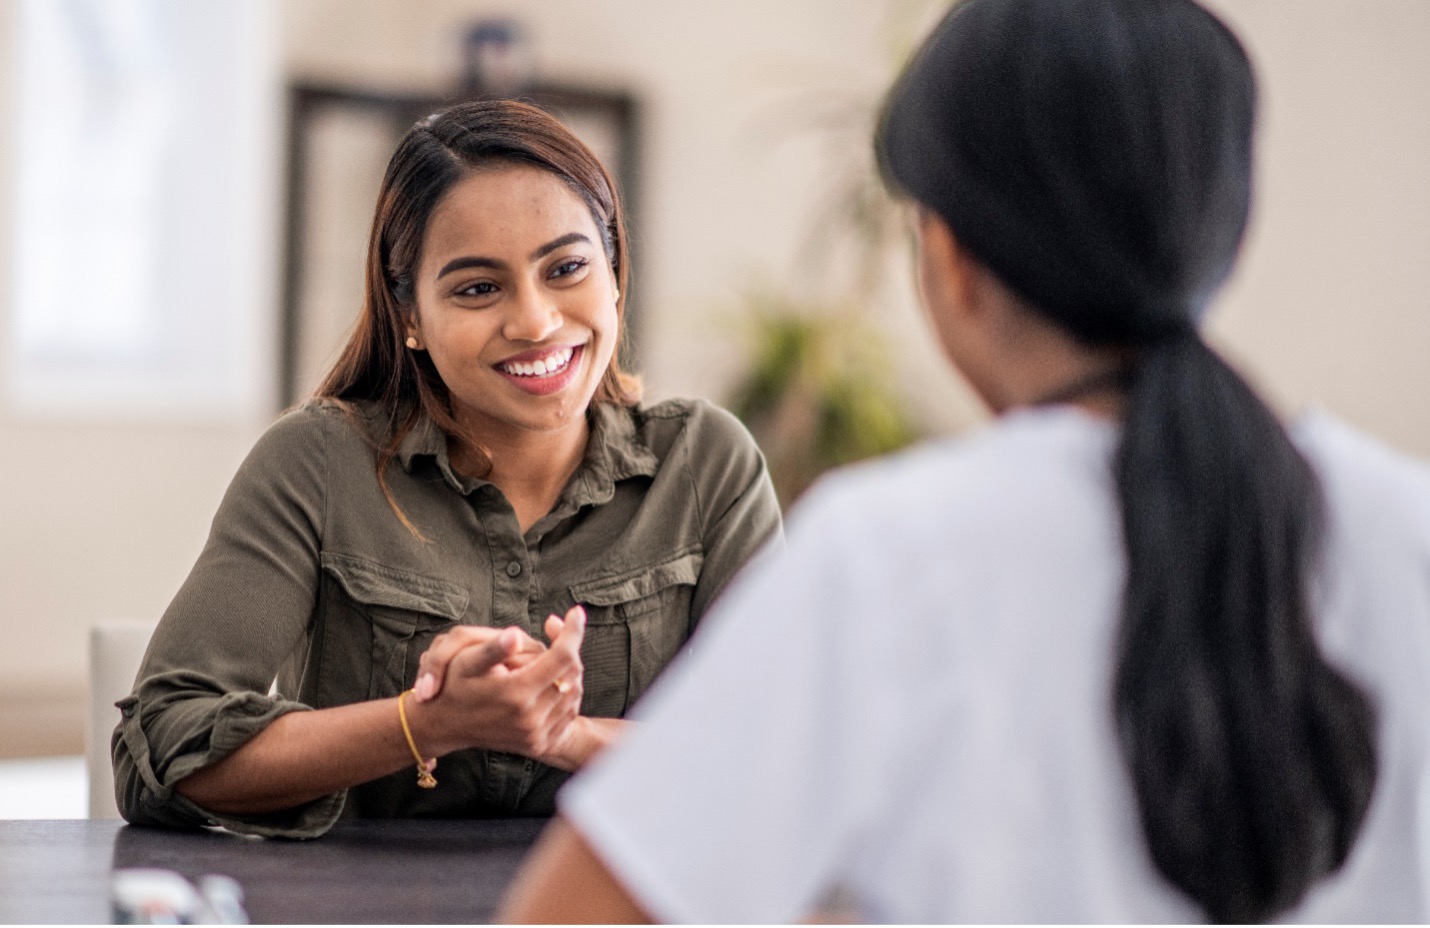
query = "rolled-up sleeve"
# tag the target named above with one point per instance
(205, 685)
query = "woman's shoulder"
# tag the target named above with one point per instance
(1365, 480)
(1347, 449)
(694, 423)
(313, 428)
(334, 417)
(700, 451)
(1016, 463)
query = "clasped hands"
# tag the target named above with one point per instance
(501, 689)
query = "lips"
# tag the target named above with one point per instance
(543, 371)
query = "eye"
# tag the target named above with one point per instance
(476, 289)
(568, 267)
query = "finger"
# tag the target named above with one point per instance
(563, 695)
(528, 650)
(573, 628)
(551, 709)
(553, 627)
(432, 666)
(562, 661)
(479, 659)
(561, 714)
(523, 657)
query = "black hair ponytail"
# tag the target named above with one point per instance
(1095, 155)
(1252, 759)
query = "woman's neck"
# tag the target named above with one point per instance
(1022, 360)
(531, 468)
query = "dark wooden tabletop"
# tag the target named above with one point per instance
(363, 871)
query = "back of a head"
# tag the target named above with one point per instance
(1095, 155)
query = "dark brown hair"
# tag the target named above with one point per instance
(436, 153)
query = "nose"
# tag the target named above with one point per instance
(533, 316)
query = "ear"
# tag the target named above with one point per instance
(948, 275)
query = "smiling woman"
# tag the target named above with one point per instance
(475, 543)
(515, 301)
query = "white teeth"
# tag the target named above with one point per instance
(551, 364)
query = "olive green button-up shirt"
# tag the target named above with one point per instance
(311, 593)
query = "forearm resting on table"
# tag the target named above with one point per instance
(303, 756)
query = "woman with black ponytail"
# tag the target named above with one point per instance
(1133, 653)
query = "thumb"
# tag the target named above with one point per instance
(473, 662)
(572, 629)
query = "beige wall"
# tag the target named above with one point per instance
(98, 519)
(1332, 303)
(728, 187)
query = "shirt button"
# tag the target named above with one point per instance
(513, 569)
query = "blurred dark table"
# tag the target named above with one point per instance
(363, 871)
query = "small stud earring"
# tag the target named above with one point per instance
(412, 342)
(616, 294)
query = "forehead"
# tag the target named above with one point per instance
(505, 211)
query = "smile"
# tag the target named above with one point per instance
(548, 366)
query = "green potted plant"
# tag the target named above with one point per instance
(817, 391)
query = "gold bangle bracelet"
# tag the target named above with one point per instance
(424, 767)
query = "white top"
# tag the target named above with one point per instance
(914, 703)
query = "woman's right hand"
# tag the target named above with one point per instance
(432, 666)
(500, 689)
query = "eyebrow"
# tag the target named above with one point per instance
(459, 264)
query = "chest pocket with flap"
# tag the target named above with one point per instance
(637, 621)
(402, 611)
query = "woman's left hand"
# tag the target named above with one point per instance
(585, 738)
(432, 666)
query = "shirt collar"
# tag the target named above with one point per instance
(425, 439)
(615, 451)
